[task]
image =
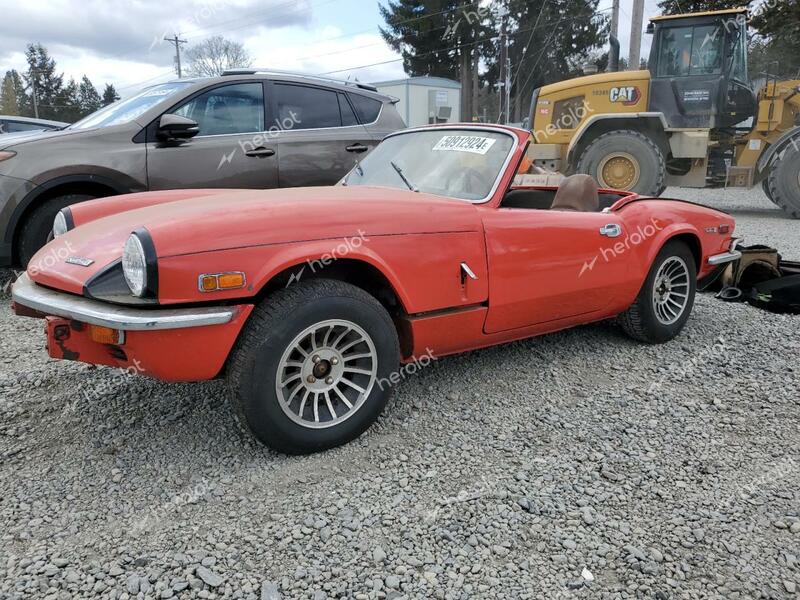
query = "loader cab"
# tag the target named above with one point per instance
(698, 67)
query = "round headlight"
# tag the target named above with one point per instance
(60, 226)
(134, 266)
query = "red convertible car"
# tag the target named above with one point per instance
(309, 300)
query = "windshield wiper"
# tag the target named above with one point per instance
(403, 177)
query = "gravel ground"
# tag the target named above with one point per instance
(576, 465)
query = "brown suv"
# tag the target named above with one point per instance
(244, 129)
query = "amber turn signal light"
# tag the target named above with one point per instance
(106, 335)
(216, 282)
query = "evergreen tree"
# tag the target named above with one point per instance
(68, 103)
(11, 92)
(549, 41)
(41, 79)
(441, 38)
(776, 50)
(109, 95)
(88, 98)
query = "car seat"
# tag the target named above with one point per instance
(577, 193)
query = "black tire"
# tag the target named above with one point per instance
(641, 321)
(651, 162)
(269, 333)
(767, 191)
(37, 227)
(784, 182)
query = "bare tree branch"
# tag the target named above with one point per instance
(211, 57)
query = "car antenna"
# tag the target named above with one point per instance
(403, 177)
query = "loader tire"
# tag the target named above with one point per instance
(767, 191)
(784, 182)
(625, 160)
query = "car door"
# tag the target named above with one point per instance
(550, 265)
(233, 149)
(319, 137)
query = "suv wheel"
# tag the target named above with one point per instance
(37, 227)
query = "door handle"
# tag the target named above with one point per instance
(260, 152)
(359, 148)
(467, 272)
(611, 230)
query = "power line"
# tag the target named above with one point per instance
(528, 45)
(447, 49)
(292, 2)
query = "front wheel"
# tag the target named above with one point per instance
(312, 368)
(625, 160)
(666, 299)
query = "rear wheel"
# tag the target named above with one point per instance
(784, 182)
(666, 299)
(311, 369)
(37, 227)
(625, 160)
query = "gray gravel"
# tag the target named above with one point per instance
(571, 466)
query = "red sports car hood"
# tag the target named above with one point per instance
(241, 218)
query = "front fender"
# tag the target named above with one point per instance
(312, 258)
(423, 269)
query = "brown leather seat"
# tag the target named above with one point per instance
(577, 193)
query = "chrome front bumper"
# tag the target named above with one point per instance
(59, 304)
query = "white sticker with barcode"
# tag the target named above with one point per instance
(465, 143)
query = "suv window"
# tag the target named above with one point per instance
(305, 107)
(348, 116)
(14, 126)
(229, 109)
(367, 109)
(691, 51)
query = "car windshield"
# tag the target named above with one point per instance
(129, 109)
(457, 163)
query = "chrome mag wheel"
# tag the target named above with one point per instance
(671, 289)
(326, 374)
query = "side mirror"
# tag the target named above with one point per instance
(173, 128)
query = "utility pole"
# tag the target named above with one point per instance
(637, 21)
(505, 71)
(35, 99)
(615, 19)
(177, 42)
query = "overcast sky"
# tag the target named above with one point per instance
(120, 41)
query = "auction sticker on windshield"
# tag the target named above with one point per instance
(465, 143)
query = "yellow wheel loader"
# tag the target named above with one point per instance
(692, 119)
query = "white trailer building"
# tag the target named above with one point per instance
(425, 100)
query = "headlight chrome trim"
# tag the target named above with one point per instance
(63, 217)
(148, 250)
